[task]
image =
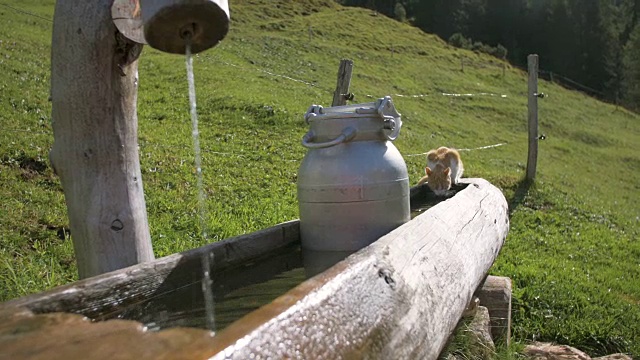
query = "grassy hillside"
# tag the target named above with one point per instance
(573, 251)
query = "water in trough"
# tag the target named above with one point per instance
(214, 301)
(234, 292)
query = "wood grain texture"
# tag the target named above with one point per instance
(495, 295)
(344, 82)
(399, 298)
(99, 296)
(94, 76)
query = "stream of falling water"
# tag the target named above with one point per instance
(207, 258)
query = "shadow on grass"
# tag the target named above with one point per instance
(520, 193)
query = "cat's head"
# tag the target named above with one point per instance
(438, 179)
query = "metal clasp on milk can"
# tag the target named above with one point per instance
(353, 185)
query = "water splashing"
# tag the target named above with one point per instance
(206, 258)
(207, 291)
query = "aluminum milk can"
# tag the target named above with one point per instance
(353, 185)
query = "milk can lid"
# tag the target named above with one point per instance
(383, 108)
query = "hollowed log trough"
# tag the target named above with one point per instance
(401, 297)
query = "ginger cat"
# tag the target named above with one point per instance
(444, 168)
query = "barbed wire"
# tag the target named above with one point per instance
(464, 61)
(28, 130)
(367, 95)
(244, 154)
(26, 12)
(270, 73)
(553, 76)
(466, 149)
(444, 94)
(308, 83)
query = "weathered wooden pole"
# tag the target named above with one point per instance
(94, 79)
(341, 94)
(532, 156)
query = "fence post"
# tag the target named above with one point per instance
(532, 104)
(495, 295)
(341, 95)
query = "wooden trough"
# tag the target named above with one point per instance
(400, 297)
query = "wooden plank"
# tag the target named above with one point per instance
(94, 76)
(99, 296)
(344, 81)
(532, 104)
(400, 297)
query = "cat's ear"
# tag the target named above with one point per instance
(447, 171)
(427, 170)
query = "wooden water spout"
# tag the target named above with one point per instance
(399, 298)
(94, 81)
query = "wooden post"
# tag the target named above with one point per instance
(532, 157)
(94, 78)
(344, 81)
(495, 295)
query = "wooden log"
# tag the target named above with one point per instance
(100, 296)
(344, 81)
(495, 295)
(400, 297)
(94, 77)
(532, 105)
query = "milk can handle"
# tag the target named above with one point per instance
(347, 134)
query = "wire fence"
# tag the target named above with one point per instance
(26, 12)
(545, 74)
(245, 154)
(467, 149)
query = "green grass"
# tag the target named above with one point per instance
(573, 251)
